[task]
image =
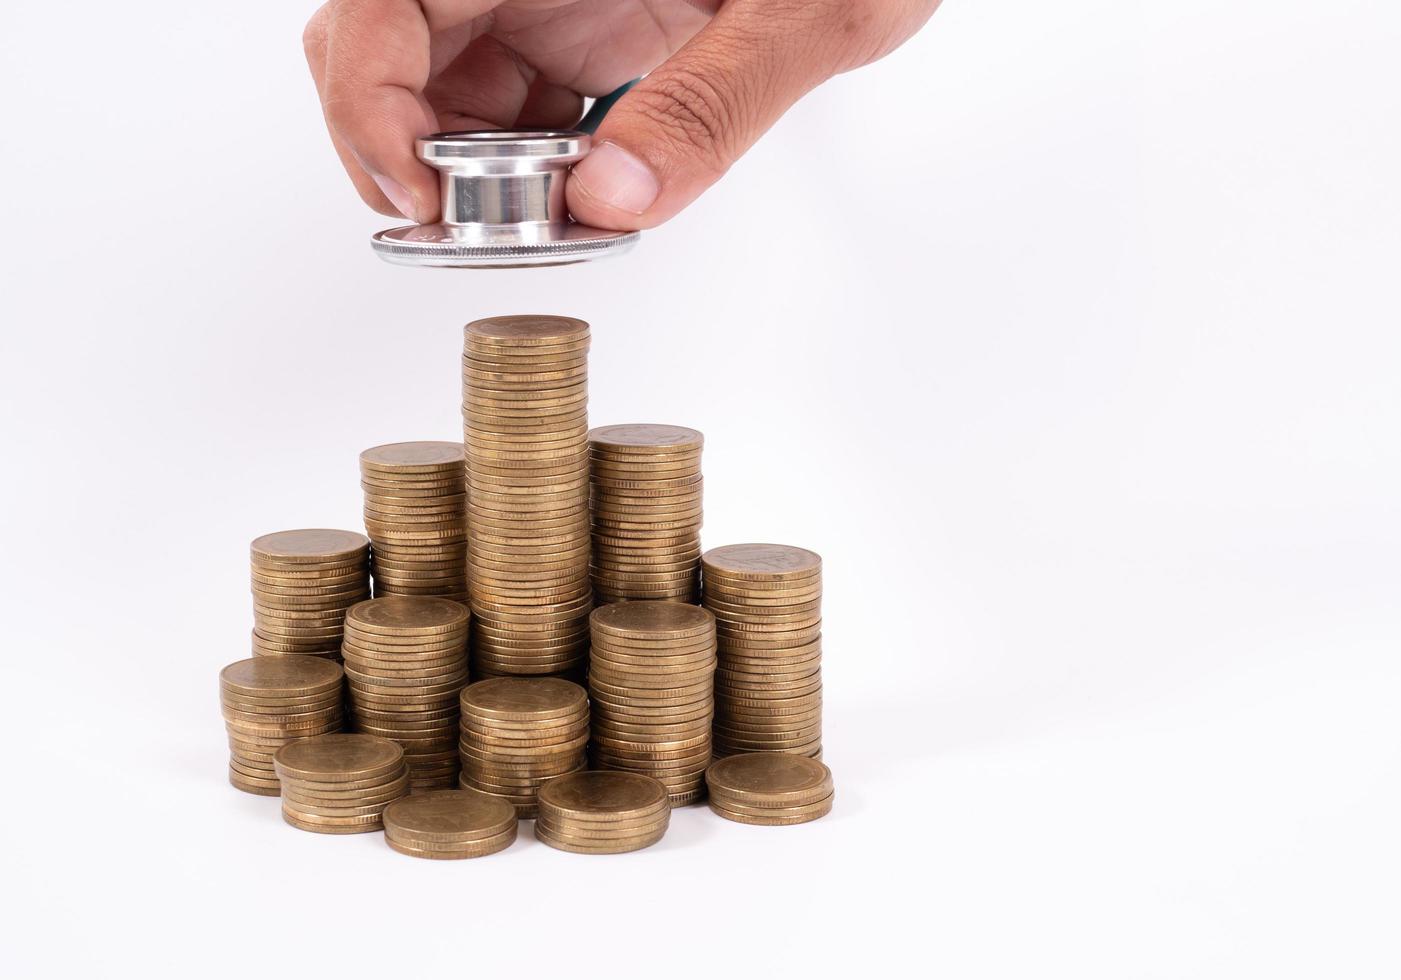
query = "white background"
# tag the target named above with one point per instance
(1068, 335)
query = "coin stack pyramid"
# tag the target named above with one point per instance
(517, 732)
(303, 582)
(650, 684)
(450, 823)
(525, 421)
(406, 661)
(340, 784)
(270, 701)
(602, 812)
(645, 488)
(770, 788)
(767, 601)
(416, 516)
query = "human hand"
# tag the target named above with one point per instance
(719, 74)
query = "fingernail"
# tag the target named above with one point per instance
(398, 196)
(615, 177)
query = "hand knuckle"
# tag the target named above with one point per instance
(689, 109)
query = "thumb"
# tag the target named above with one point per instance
(679, 129)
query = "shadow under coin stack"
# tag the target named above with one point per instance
(303, 582)
(767, 601)
(340, 784)
(518, 732)
(450, 823)
(602, 812)
(645, 485)
(770, 788)
(650, 683)
(525, 421)
(406, 661)
(270, 701)
(416, 515)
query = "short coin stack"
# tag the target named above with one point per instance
(270, 701)
(517, 732)
(406, 660)
(602, 812)
(767, 601)
(416, 515)
(303, 582)
(450, 823)
(340, 784)
(645, 485)
(525, 421)
(650, 680)
(770, 788)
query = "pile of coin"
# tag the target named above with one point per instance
(767, 601)
(517, 732)
(406, 661)
(602, 812)
(303, 582)
(770, 788)
(340, 784)
(270, 701)
(525, 422)
(416, 515)
(450, 823)
(645, 487)
(650, 685)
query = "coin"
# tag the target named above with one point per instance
(449, 817)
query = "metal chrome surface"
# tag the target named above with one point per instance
(503, 205)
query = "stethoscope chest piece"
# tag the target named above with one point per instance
(503, 205)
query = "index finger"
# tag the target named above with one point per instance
(378, 61)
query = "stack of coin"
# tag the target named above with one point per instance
(416, 515)
(518, 732)
(406, 660)
(767, 601)
(270, 701)
(340, 784)
(450, 823)
(602, 812)
(525, 407)
(645, 485)
(770, 788)
(303, 582)
(650, 679)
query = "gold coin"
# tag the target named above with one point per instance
(602, 795)
(280, 676)
(448, 816)
(403, 616)
(646, 437)
(816, 805)
(338, 758)
(412, 457)
(585, 846)
(455, 851)
(310, 545)
(652, 620)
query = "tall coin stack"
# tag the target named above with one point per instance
(340, 784)
(416, 515)
(646, 506)
(525, 420)
(270, 701)
(517, 732)
(406, 660)
(650, 685)
(767, 601)
(303, 582)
